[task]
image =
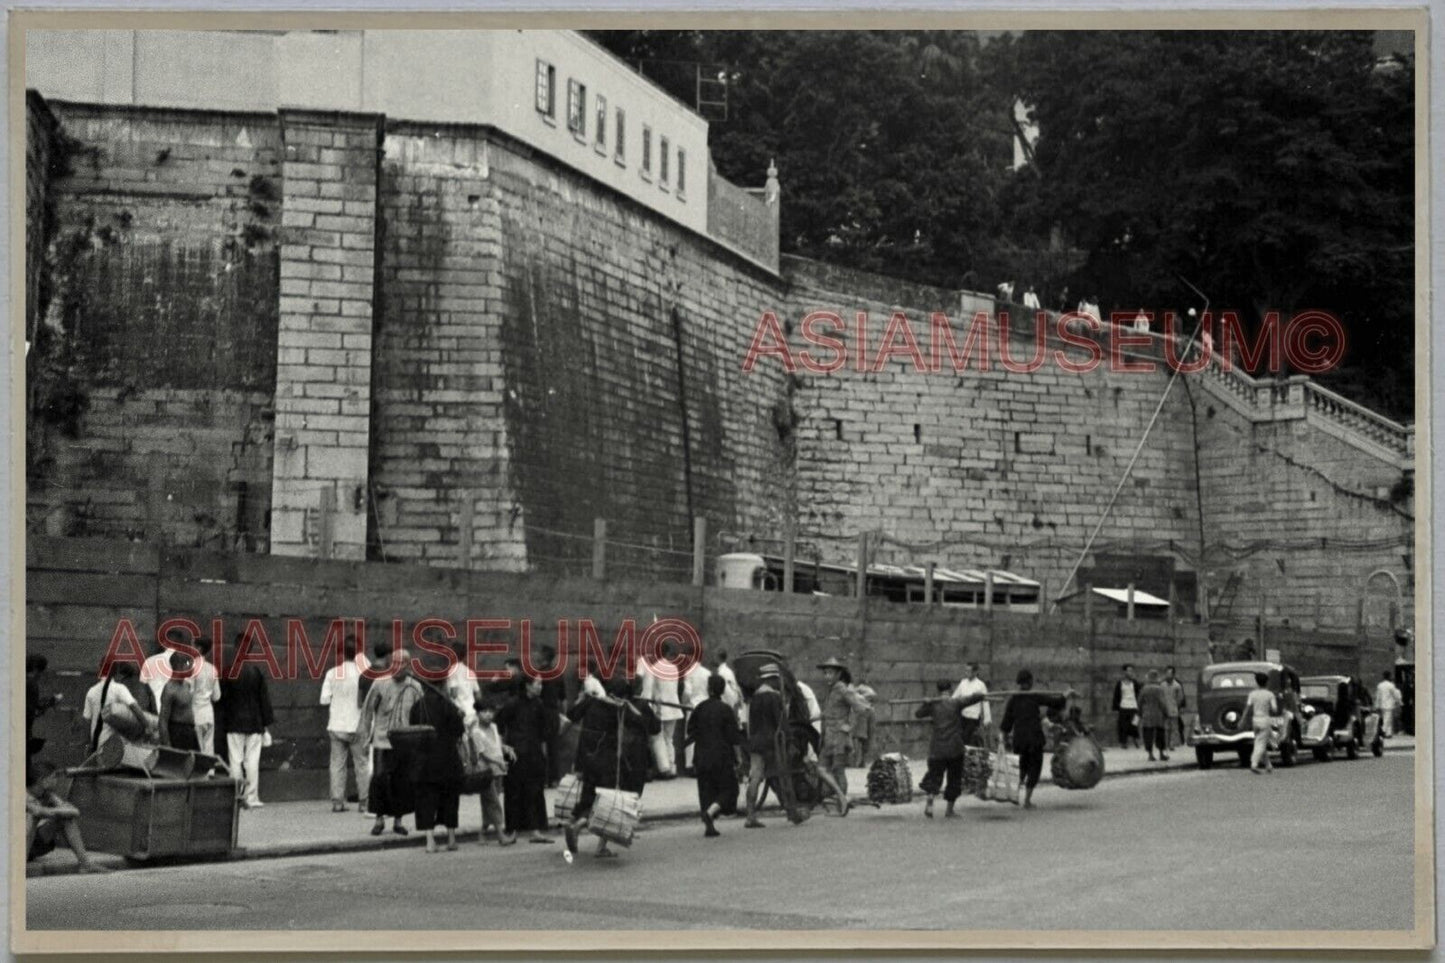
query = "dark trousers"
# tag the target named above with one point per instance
(1154, 738)
(436, 806)
(524, 804)
(718, 786)
(392, 793)
(1031, 766)
(938, 769)
(1126, 727)
(970, 730)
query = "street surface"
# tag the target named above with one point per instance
(1322, 846)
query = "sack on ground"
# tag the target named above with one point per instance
(890, 780)
(569, 793)
(615, 815)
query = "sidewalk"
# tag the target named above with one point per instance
(309, 827)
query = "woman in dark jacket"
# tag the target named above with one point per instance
(527, 727)
(438, 768)
(1022, 722)
(603, 721)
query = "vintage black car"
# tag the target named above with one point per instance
(1332, 717)
(1223, 690)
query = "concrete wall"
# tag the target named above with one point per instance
(436, 76)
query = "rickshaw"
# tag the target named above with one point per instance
(797, 784)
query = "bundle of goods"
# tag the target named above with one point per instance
(890, 780)
(569, 792)
(977, 767)
(615, 815)
(1078, 761)
(1002, 784)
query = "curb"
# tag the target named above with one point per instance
(369, 843)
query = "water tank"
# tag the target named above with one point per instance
(740, 570)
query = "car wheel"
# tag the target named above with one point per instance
(1205, 757)
(1378, 748)
(1322, 753)
(1352, 750)
(1244, 757)
(1287, 753)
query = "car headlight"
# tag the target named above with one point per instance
(1231, 718)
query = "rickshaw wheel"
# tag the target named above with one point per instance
(1352, 749)
(1378, 748)
(1322, 753)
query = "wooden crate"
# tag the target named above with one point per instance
(141, 818)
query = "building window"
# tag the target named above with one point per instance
(662, 158)
(546, 89)
(619, 138)
(577, 108)
(646, 151)
(681, 172)
(599, 134)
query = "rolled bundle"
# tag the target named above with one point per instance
(977, 767)
(1078, 763)
(890, 780)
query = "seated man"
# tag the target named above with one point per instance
(49, 817)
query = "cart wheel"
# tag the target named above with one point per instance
(1352, 750)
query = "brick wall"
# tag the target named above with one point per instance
(1300, 520)
(324, 358)
(161, 270)
(981, 468)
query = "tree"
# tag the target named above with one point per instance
(1272, 168)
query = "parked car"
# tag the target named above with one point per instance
(1223, 690)
(1332, 717)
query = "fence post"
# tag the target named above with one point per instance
(699, 551)
(1043, 594)
(327, 522)
(790, 546)
(928, 584)
(464, 543)
(861, 588)
(1089, 602)
(1129, 611)
(599, 549)
(988, 590)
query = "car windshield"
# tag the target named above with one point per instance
(1317, 690)
(1232, 680)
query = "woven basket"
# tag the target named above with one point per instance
(615, 815)
(569, 792)
(1078, 763)
(890, 780)
(977, 766)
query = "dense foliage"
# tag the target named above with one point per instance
(1275, 170)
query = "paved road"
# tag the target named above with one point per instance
(1324, 846)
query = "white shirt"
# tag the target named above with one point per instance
(593, 687)
(658, 691)
(1128, 690)
(118, 695)
(815, 711)
(979, 710)
(340, 690)
(156, 672)
(1386, 695)
(694, 686)
(464, 690)
(1031, 300)
(733, 694)
(205, 693)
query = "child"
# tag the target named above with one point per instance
(945, 746)
(178, 723)
(488, 744)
